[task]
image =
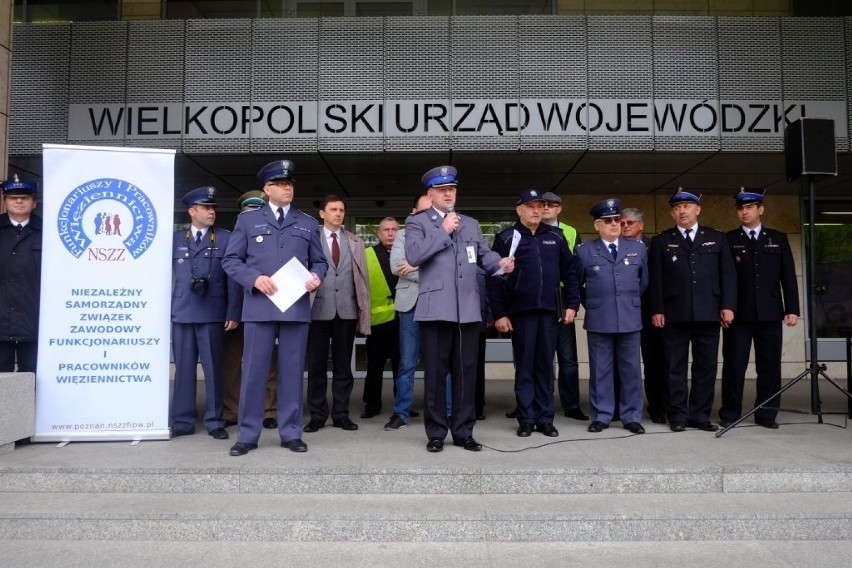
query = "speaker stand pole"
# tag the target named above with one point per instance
(816, 369)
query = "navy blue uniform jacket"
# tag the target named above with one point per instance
(542, 261)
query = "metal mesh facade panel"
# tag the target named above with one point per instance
(685, 70)
(351, 67)
(750, 68)
(848, 37)
(284, 68)
(814, 61)
(484, 57)
(155, 70)
(552, 64)
(377, 61)
(98, 68)
(38, 112)
(620, 66)
(218, 69)
(418, 71)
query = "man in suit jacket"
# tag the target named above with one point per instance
(205, 304)
(767, 294)
(341, 306)
(407, 289)
(633, 227)
(693, 289)
(263, 241)
(613, 274)
(448, 247)
(529, 304)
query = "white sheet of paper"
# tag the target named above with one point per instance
(290, 279)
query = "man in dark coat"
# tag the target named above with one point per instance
(20, 277)
(767, 294)
(693, 289)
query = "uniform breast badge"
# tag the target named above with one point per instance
(259, 239)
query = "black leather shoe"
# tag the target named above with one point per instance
(270, 423)
(435, 445)
(512, 413)
(345, 424)
(480, 416)
(296, 445)
(369, 413)
(525, 430)
(414, 414)
(704, 426)
(677, 427)
(597, 426)
(634, 427)
(242, 448)
(219, 433)
(313, 425)
(229, 423)
(658, 418)
(468, 443)
(771, 424)
(548, 429)
(179, 433)
(576, 414)
(726, 423)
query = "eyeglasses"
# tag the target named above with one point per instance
(609, 220)
(625, 223)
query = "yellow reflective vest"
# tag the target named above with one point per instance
(381, 299)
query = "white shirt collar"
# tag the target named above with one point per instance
(756, 230)
(286, 209)
(692, 234)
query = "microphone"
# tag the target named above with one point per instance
(451, 209)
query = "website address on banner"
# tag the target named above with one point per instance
(103, 426)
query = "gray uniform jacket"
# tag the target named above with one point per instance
(448, 265)
(612, 289)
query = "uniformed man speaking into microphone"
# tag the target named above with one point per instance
(448, 247)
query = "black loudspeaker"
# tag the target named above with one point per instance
(809, 148)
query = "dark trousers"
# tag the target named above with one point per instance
(767, 338)
(448, 347)
(655, 373)
(232, 371)
(534, 337)
(259, 349)
(685, 404)
(341, 334)
(26, 353)
(191, 342)
(382, 344)
(480, 375)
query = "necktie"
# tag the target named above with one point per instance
(335, 249)
(613, 251)
(280, 215)
(197, 238)
(688, 235)
(753, 235)
(19, 228)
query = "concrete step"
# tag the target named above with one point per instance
(447, 480)
(425, 518)
(230, 554)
